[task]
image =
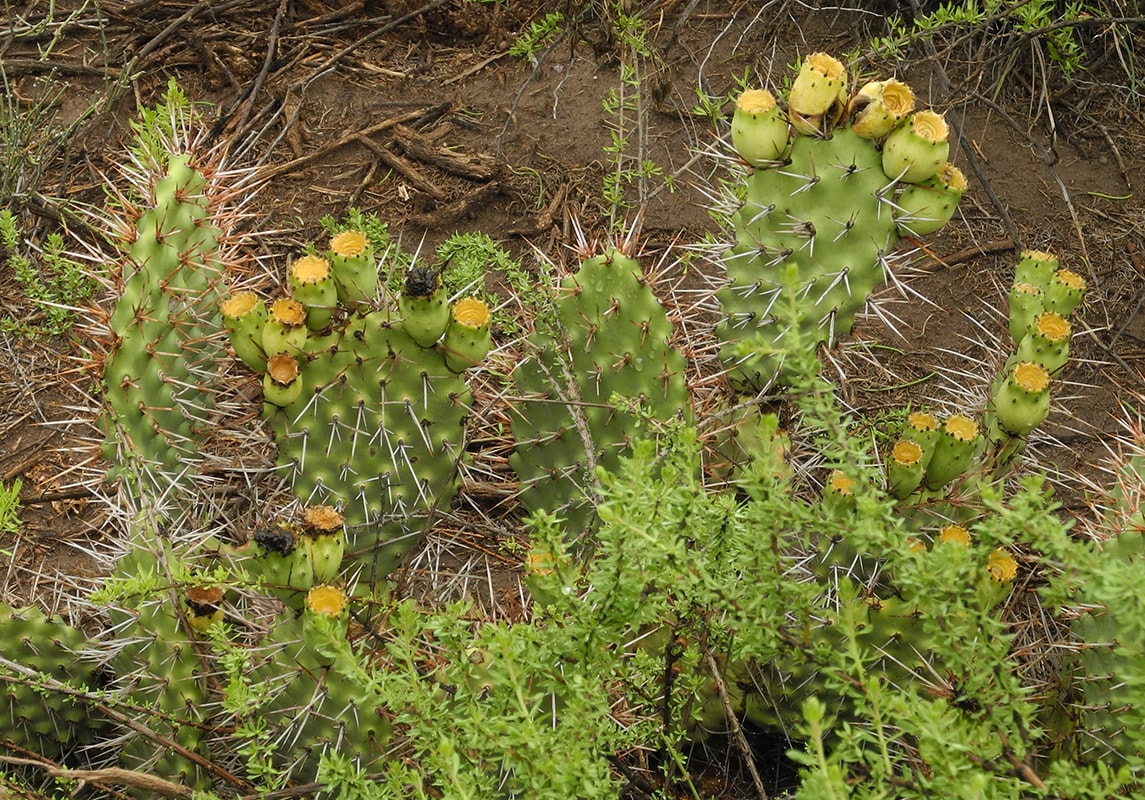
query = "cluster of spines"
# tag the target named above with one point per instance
(837, 179)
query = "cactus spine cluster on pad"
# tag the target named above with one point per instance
(823, 208)
(608, 342)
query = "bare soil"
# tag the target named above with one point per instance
(419, 114)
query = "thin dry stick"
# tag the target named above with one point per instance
(737, 732)
(110, 776)
(350, 138)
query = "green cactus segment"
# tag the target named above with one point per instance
(1027, 301)
(316, 701)
(155, 661)
(610, 337)
(377, 430)
(827, 215)
(1110, 640)
(157, 373)
(35, 718)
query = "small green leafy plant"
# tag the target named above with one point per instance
(54, 283)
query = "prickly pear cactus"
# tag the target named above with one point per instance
(158, 373)
(823, 209)
(377, 431)
(40, 720)
(1109, 630)
(150, 652)
(609, 339)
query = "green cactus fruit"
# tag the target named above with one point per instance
(1035, 267)
(905, 468)
(203, 607)
(274, 558)
(958, 441)
(839, 494)
(324, 535)
(355, 273)
(282, 381)
(285, 330)
(468, 336)
(879, 106)
(1046, 342)
(424, 306)
(819, 85)
(760, 130)
(312, 285)
(1064, 292)
(325, 622)
(925, 207)
(1027, 301)
(244, 315)
(917, 149)
(922, 427)
(1022, 401)
(609, 338)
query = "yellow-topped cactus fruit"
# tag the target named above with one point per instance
(914, 151)
(204, 606)
(1022, 401)
(323, 529)
(760, 129)
(878, 107)
(957, 441)
(954, 534)
(923, 208)
(905, 469)
(468, 336)
(821, 82)
(285, 329)
(1046, 342)
(244, 316)
(1002, 566)
(282, 381)
(355, 273)
(312, 284)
